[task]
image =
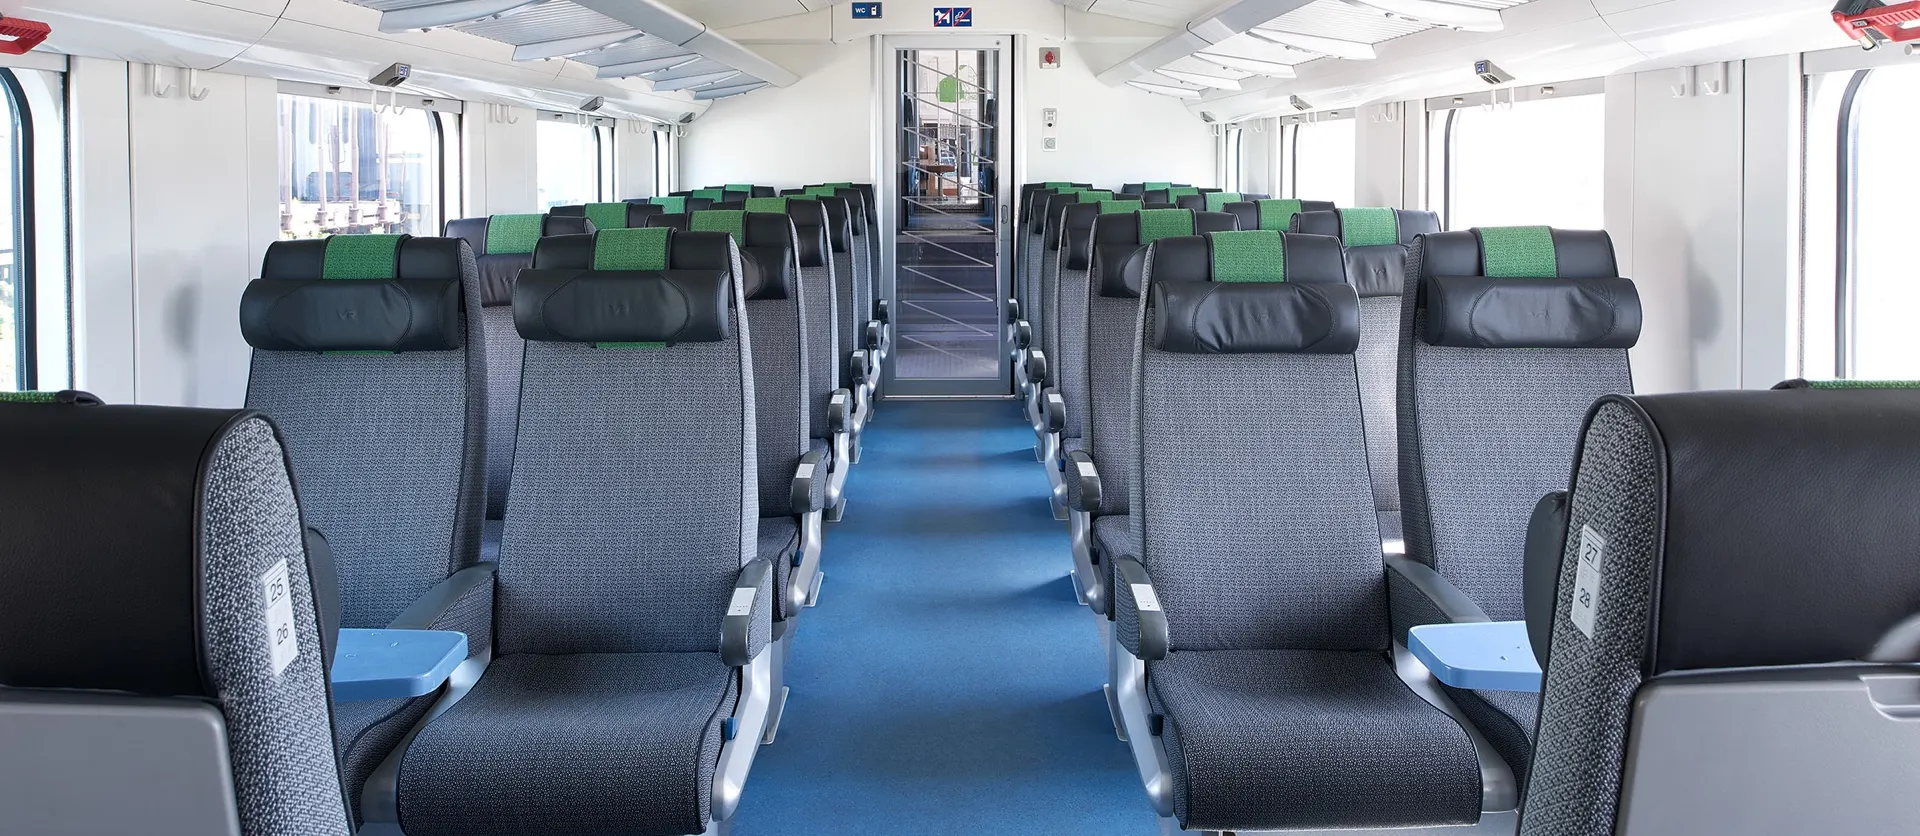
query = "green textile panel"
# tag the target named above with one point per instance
(1249, 256)
(1053, 185)
(1156, 224)
(1155, 187)
(820, 191)
(1094, 196)
(1217, 201)
(1369, 227)
(644, 248)
(731, 222)
(1863, 384)
(839, 185)
(1518, 252)
(607, 215)
(739, 187)
(27, 397)
(673, 205)
(1108, 207)
(1184, 191)
(710, 194)
(767, 204)
(362, 256)
(514, 233)
(1277, 215)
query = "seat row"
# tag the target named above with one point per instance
(1234, 497)
(649, 553)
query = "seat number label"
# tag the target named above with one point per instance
(1144, 598)
(283, 643)
(742, 603)
(1586, 579)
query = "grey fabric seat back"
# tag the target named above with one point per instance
(1214, 200)
(386, 430)
(501, 251)
(852, 307)
(1733, 579)
(864, 252)
(1376, 242)
(1053, 260)
(1273, 213)
(1034, 222)
(141, 688)
(1251, 504)
(1118, 251)
(1489, 411)
(635, 491)
(819, 289)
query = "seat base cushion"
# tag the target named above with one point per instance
(366, 732)
(591, 744)
(1507, 719)
(779, 542)
(1304, 739)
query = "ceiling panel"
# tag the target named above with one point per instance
(1335, 19)
(640, 50)
(545, 22)
(726, 14)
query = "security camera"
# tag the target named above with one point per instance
(1299, 103)
(1490, 73)
(594, 104)
(392, 76)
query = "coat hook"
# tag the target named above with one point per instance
(153, 83)
(194, 90)
(1684, 87)
(1718, 84)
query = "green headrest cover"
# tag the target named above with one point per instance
(673, 205)
(767, 204)
(366, 256)
(1369, 227)
(730, 221)
(1524, 252)
(1217, 201)
(1155, 187)
(1277, 215)
(1183, 191)
(642, 248)
(1156, 224)
(27, 397)
(710, 194)
(1249, 256)
(1863, 384)
(607, 215)
(1108, 207)
(514, 233)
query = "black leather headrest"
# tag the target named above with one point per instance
(1037, 219)
(622, 306)
(1483, 312)
(1576, 254)
(766, 256)
(728, 205)
(810, 221)
(621, 215)
(1215, 257)
(1077, 229)
(857, 203)
(763, 191)
(292, 308)
(1787, 529)
(1254, 317)
(678, 221)
(697, 251)
(1116, 235)
(839, 223)
(102, 509)
(1132, 188)
(1381, 226)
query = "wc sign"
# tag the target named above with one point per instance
(953, 17)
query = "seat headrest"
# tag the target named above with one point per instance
(1368, 227)
(672, 205)
(647, 248)
(767, 241)
(678, 221)
(1262, 317)
(736, 205)
(392, 293)
(622, 308)
(103, 509)
(509, 234)
(839, 222)
(855, 198)
(810, 222)
(1077, 229)
(622, 215)
(1273, 213)
(710, 195)
(1117, 234)
(1524, 287)
(1784, 532)
(1057, 211)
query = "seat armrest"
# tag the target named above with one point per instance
(1013, 310)
(453, 600)
(1022, 334)
(1418, 595)
(1138, 622)
(839, 410)
(1083, 481)
(748, 624)
(810, 480)
(1037, 365)
(882, 310)
(1056, 409)
(873, 335)
(859, 368)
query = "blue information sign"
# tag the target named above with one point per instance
(953, 17)
(866, 11)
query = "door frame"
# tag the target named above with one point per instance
(886, 65)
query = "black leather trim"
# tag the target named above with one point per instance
(1584, 254)
(1118, 269)
(839, 223)
(810, 223)
(103, 574)
(324, 577)
(1450, 254)
(1056, 217)
(562, 225)
(1117, 228)
(569, 252)
(305, 259)
(1204, 222)
(677, 221)
(1255, 317)
(1077, 227)
(769, 271)
(352, 315)
(1377, 271)
(497, 273)
(1185, 258)
(1540, 570)
(473, 230)
(1247, 212)
(1315, 258)
(1483, 312)
(615, 306)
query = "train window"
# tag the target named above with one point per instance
(1320, 160)
(662, 161)
(348, 167)
(35, 350)
(1537, 161)
(1231, 160)
(1879, 127)
(570, 168)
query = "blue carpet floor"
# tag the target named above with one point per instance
(947, 683)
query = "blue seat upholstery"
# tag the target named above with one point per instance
(633, 612)
(387, 446)
(165, 668)
(1255, 620)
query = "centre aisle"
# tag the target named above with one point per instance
(947, 683)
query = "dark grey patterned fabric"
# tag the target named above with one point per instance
(1506, 718)
(366, 732)
(504, 348)
(1113, 534)
(779, 398)
(861, 274)
(1070, 310)
(1302, 739)
(1484, 433)
(824, 367)
(778, 542)
(1046, 286)
(634, 504)
(550, 744)
(280, 740)
(852, 324)
(1378, 363)
(388, 451)
(1108, 427)
(1587, 693)
(1030, 277)
(1255, 518)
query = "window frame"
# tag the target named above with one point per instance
(1288, 185)
(1439, 178)
(1846, 224)
(26, 331)
(605, 154)
(446, 196)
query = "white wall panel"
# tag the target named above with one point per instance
(100, 190)
(1109, 135)
(819, 130)
(633, 160)
(1771, 266)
